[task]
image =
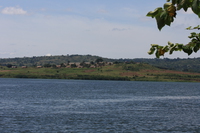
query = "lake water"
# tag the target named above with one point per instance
(80, 106)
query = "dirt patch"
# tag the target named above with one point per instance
(179, 72)
(88, 71)
(5, 70)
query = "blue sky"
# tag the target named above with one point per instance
(107, 28)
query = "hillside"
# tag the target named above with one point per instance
(120, 71)
(185, 65)
(42, 60)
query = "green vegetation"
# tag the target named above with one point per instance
(86, 61)
(98, 68)
(120, 71)
(165, 16)
(186, 65)
(52, 60)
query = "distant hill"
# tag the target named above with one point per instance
(129, 71)
(41, 60)
(186, 65)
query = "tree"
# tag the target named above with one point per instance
(9, 65)
(165, 16)
(53, 65)
(92, 63)
(82, 63)
(99, 60)
(62, 64)
(73, 65)
(68, 62)
(47, 65)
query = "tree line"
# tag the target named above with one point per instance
(187, 65)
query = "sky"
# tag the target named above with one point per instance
(107, 28)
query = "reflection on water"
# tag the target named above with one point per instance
(30, 105)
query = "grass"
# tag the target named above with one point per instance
(133, 72)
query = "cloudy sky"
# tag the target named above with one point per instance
(107, 28)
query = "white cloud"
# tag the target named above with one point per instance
(13, 11)
(79, 35)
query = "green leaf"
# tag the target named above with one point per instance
(193, 34)
(169, 20)
(189, 28)
(190, 51)
(150, 14)
(195, 6)
(197, 46)
(170, 44)
(152, 48)
(180, 46)
(150, 52)
(192, 44)
(185, 8)
(190, 36)
(187, 49)
(166, 5)
(174, 2)
(154, 45)
(163, 15)
(186, 5)
(160, 22)
(165, 48)
(182, 4)
(197, 27)
(157, 54)
(172, 49)
(154, 13)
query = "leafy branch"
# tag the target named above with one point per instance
(165, 16)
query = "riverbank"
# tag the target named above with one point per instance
(129, 72)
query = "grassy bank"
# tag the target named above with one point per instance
(130, 72)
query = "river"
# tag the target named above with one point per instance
(87, 106)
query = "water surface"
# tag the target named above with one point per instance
(62, 106)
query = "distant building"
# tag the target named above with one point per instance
(24, 66)
(39, 66)
(58, 66)
(79, 66)
(92, 66)
(69, 66)
(109, 63)
(14, 66)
